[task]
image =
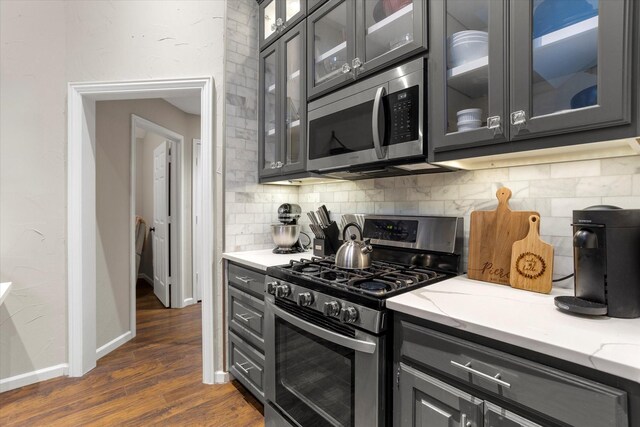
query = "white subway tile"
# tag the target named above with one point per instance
(383, 183)
(446, 192)
(406, 208)
(419, 193)
(365, 207)
(630, 202)
(615, 185)
(475, 191)
(431, 207)
(356, 196)
(405, 181)
(621, 165)
(431, 179)
(384, 208)
(575, 169)
(457, 177)
(395, 194)
(341, 196)
(365, 184)
(491, 175)
(376, 195)
(556, 226)
(522, 173)
(561, 187)
(459, 207)
(636, 185)
(563, 207)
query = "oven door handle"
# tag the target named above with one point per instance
(375, 123)
(353, 344)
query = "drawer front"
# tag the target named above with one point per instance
(246, 317)
(562, 396)
(495, 416)
(247, 365)
(246, 279)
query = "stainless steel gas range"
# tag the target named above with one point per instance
(326, 328)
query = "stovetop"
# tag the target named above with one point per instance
(369, 286)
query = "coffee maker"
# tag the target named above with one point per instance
(606, 261)
(286, 235)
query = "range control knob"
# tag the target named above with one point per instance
(283, 291)
(271, 287)
(305, 299)
(331, 308)
(349, 315)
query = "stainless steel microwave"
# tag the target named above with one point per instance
(376, 122)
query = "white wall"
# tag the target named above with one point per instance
(45, 45)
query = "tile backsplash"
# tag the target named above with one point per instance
(554, 190)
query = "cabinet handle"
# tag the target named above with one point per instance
(464, 421)
(273, 26)
(467, 367)
(241, 366)
(245, 280)
(346, 68)
(273, 165)
(493, 122)
(279, 165)
(245, 317)
(279, 23)
(518, 118)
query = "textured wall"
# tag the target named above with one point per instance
(249, 208)
(554, 190)
(45, 45)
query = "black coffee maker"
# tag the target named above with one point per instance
(606, 263)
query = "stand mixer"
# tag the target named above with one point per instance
(286, 235)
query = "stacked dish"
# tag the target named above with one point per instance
(466, 46)
(469, 119)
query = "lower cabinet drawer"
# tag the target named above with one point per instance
(247, 365)
(246, 316)
(246, 279)
(548, 391)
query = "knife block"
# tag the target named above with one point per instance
(320, 248)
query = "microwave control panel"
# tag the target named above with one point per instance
(404, 106)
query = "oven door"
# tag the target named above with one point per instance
(320, 377)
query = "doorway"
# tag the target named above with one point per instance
(81, 212)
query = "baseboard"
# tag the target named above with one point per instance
(146, 278)
(188, 301)
(221, 377)
(113, 344)
(33, 377)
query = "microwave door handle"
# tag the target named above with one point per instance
(351, 343)
(375, 125)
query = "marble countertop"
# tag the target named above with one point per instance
(4, 291)
(261, 259)
(529, 320)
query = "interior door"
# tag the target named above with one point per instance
(161, 235)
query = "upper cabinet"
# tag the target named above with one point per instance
(350, 38)
(283, 107)
(277, 16)
(505, 70)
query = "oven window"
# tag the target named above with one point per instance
(314, 378)
(345, 131)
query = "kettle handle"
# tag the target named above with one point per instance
(346, 226)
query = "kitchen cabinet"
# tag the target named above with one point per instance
(447, 380)
(283, 108)
(351, 38)
(245, 317)
(509, 71)
(276, 17)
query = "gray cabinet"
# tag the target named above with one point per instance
(507, 380)
(351, 38)
(245, 318)
(505, 71)
(276, 17)
(283, 108)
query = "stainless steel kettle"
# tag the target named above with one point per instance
(353, 254)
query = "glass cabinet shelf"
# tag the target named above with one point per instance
(291, 76)
(382, 33)
(569, 50)
(471, 78)
(331, 51)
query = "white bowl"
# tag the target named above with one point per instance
(466, 52)
(470, 114)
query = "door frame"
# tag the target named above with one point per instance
(177, 187)
(81, 215)
(196, 237)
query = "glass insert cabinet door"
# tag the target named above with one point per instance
(269, 87)
(331, 45)
(294, 98)
(278, 15)
(388, 28)
(568, 65)
(467, 72)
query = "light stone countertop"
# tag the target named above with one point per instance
(529, 320)
(261, 259)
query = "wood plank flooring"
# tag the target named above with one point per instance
(155, 379)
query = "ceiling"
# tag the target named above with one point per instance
(188, 104)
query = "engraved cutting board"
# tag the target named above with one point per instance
(491, 238)
(532, 261)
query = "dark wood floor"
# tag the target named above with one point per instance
(155, 379)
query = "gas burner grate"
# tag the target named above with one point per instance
(378, 280)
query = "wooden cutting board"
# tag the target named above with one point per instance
(532, 261)
(491, 239)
